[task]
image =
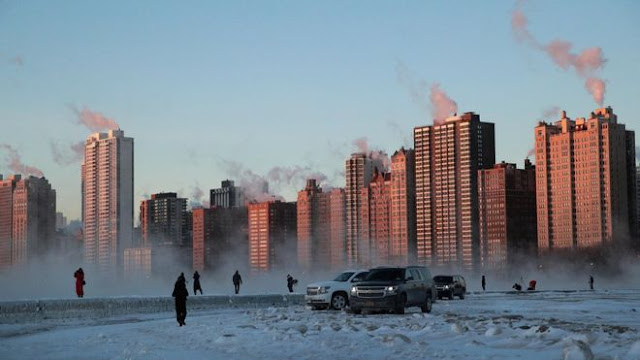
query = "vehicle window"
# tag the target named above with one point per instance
(385, 275)
(344, 276)
(361, 276)
(407, 275)
(443, 279)
(416, 274)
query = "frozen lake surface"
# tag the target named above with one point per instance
(541, 325)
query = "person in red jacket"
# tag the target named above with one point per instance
(79, 275)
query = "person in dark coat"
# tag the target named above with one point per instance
(79, 275)
(180, 293)
(484, 283)
(290, 282)
(196, 284)
(591, 282)
(237, 280)
(517, 287)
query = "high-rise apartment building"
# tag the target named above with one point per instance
(202, 227)
(27, 219)
(107, 194)
(448, 157)
(321, 224)
(358, 172)
(402, 243)
(582, 182)
(220, 237)
(163, 220)
(375, 213)
(272, 235)
(507, 208)
(34, 219)
(6, 219)
(338, 230)
(313, 227)
(227, 196)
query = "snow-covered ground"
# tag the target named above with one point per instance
(541, 325)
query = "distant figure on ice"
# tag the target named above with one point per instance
(237, 280)
(290, 282)
(196, 284)
(532, 285)
(517, 287)
(180, 293)
(591, 282)
(79, 275)
(484, 283)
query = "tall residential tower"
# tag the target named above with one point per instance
(107, 194)
(582, 182)
(448, 157)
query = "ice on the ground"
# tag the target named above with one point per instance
(543, 325)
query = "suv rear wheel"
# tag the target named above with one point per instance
(339, 301)
(426, 308)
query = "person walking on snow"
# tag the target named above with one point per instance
(290, 282)
(591, 282)
(180, 293)
(484, 283)
(237, 280)
(196, 284)
(79, 275)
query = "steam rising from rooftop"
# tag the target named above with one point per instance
(585, 63)
(256, 186)
(93, 120)
(16, 165)
(441, 105)
(380, 157)
(596, 87)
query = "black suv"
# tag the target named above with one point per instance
(450, 286)
(394, 288)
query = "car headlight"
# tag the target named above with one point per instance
(446, 287)
(324, 289)
(354, 290)
(390, 290)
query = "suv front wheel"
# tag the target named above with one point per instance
(338, 301)
(426, 308)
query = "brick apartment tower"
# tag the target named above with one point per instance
(313, 228)
(375, 213)
(402, 246)
(358, 172)
(6, 219)
(107, 199)
(583, 190)
(448, 157)
(272, 236)
(507, 207)
(27, 219)
(338, 231)
(202, 229)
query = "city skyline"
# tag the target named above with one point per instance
(348, 71)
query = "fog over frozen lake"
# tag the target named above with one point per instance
(597, 324)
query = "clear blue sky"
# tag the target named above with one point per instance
(287, 83)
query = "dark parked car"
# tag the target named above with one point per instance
(450, 286)
(394, 288)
